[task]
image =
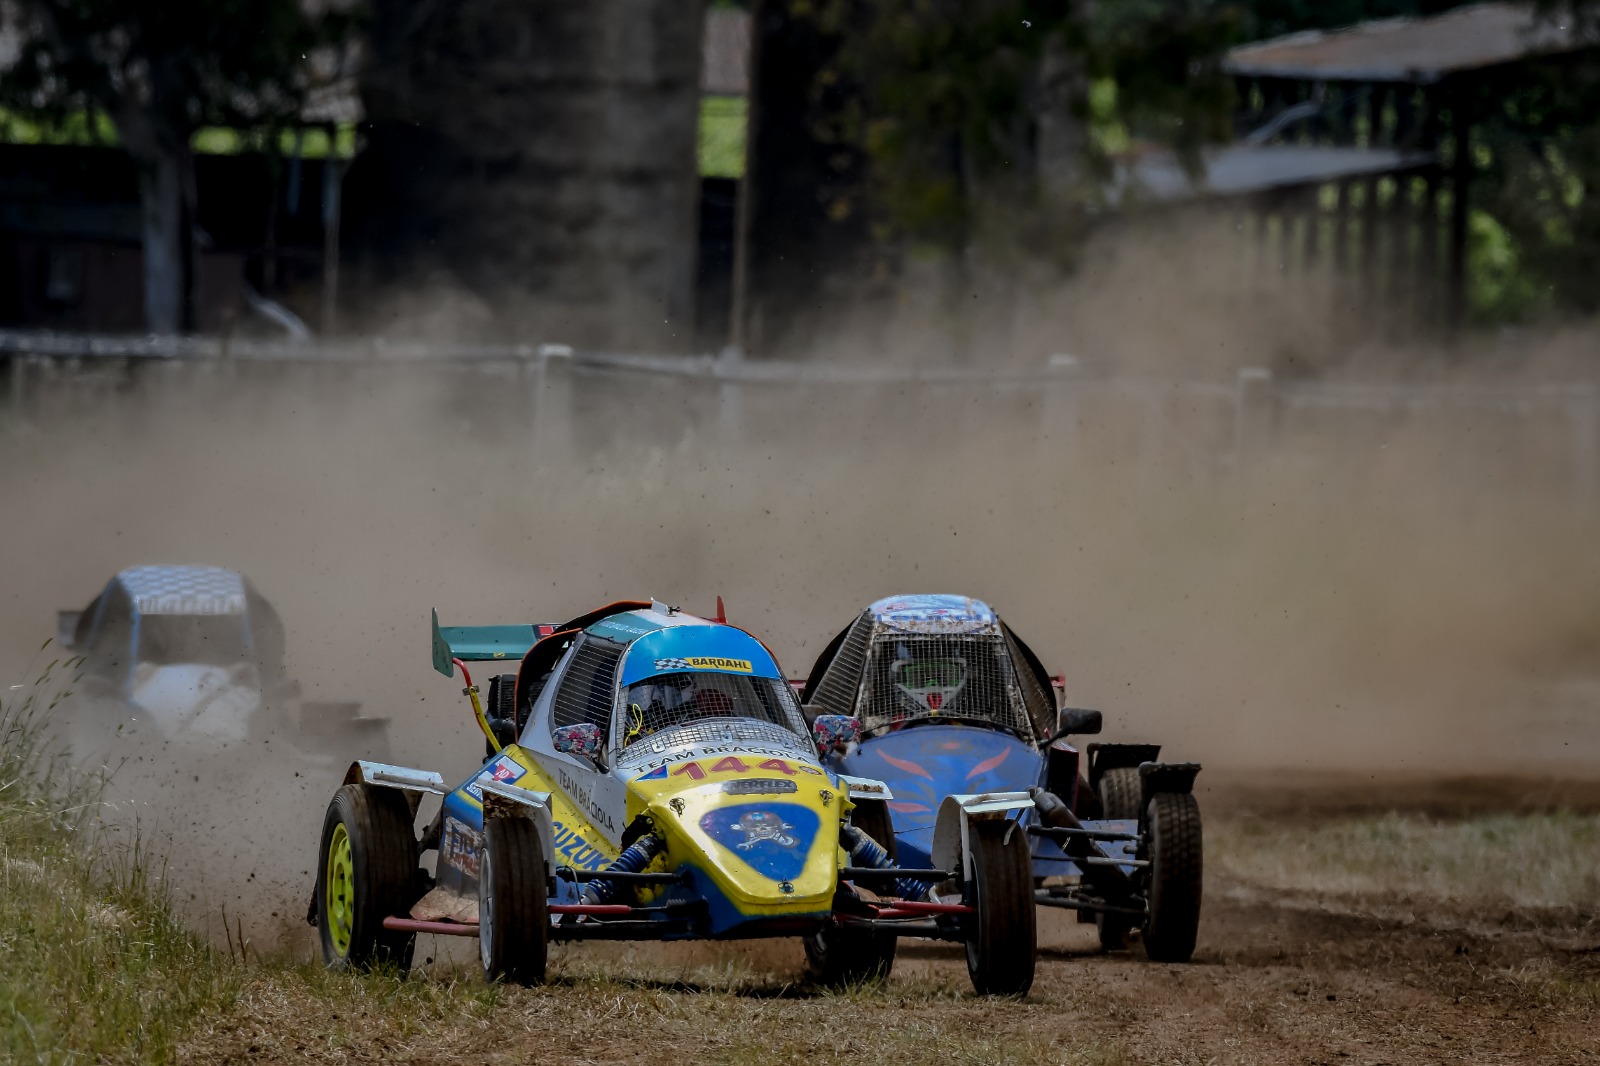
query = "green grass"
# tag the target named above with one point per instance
(95, 130)
(722, 134)
(1525, 861)
(94, 965)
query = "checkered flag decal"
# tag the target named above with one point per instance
(673, 664)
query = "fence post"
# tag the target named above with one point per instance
(1058, 430)
(730, 399)
(19, 385)
(1583, 413)
(1252, 390)
(1152, 432)
(552, 403)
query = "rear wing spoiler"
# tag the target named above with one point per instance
(484, 643)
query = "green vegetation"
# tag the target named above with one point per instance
(93, 129)
(1522, 861)
(93, 963)
(722, 134)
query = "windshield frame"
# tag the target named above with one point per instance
(786, 713)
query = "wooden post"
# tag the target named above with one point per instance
(1369, 243)
(332, 183)
(1460, 183)
(1403, 311)
(1341, 225)
(1251, 413)
(19, 385)
(1310, 205)
(1428, 251)
(552, 405)
(1584, 415)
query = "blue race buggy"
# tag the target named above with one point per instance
(950, 701)
(650, 776)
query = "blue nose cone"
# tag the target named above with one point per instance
(924, 764)
(772, 839)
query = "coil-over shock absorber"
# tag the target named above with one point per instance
(634, 858)
(864, 851)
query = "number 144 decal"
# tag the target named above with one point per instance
(734, 765)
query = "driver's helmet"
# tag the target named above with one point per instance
(664, 697)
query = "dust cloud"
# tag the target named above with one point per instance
(1407, 591)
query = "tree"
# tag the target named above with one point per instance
(160, 70)
(537, 158)
(961, 125)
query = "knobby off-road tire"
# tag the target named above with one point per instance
(1120, 793)
(1173, 923)
(366, 872)
(513, 902)
(1001, 935)
(837, 957)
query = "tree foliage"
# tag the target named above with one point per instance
(160, 70)
(951, 103)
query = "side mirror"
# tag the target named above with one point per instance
(1076, 721)
(584, 740)
(834, 732)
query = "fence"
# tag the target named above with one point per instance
(1209, 428)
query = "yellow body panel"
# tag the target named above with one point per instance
(680, 801)
(578, 843)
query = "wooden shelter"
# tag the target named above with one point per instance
(1356, 144)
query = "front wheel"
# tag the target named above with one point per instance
(513, 902)
(1000, 932)
(1173, 922)
(840, 957)
(367, 873)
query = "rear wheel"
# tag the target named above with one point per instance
(1120, 793)
(513, 902)
(1174, 849)
(1000, 933)
(367, 873)
(837, 956)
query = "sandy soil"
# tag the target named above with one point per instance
(1413, 597)
(1281, 977)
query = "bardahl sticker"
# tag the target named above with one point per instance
(705, 662)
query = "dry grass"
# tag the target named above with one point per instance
(622, 1013)
(93, 964)
(1523, 862)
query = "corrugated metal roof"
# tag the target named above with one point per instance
(1416, 50)
(1237, 170)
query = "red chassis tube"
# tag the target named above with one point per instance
(895, 909)
(412, 925)
(907, 908)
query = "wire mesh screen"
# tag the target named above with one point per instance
(588, 687)
(703, 696)
(921, 678)
(1038, 701)
(836, 692)
(745, 731)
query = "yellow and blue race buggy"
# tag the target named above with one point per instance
(650, 776)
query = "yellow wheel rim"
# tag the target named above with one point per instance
(340, 891)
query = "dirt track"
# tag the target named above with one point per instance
(1280, 976)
